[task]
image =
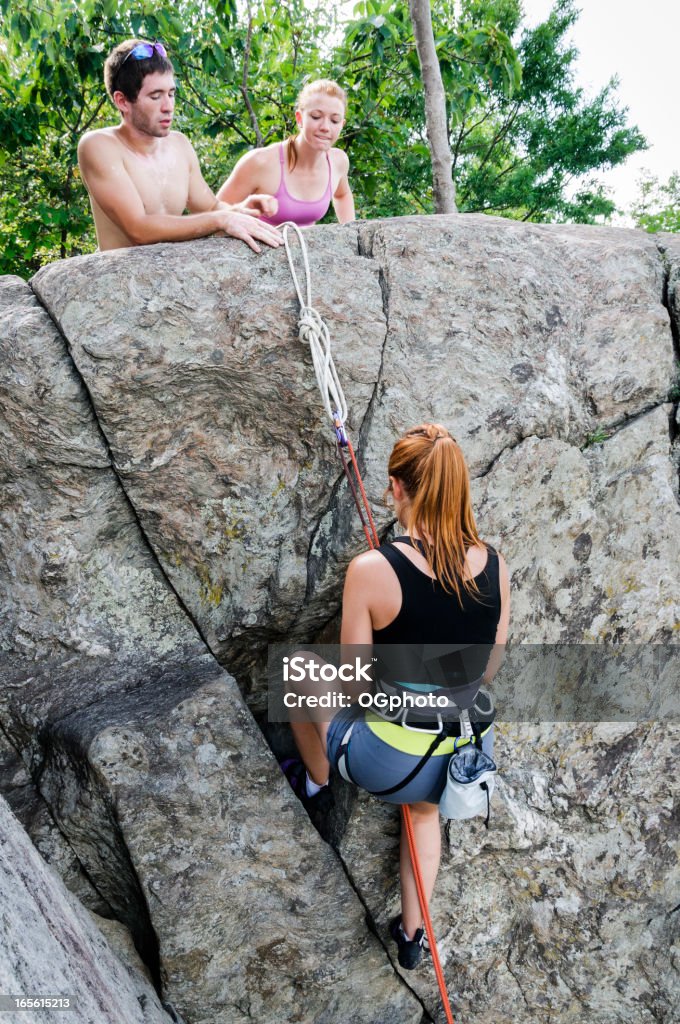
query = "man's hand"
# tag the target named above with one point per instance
(248, 228)
(257, 206)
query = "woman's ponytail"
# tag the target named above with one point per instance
(432, 469)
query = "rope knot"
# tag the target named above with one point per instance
(313, 331)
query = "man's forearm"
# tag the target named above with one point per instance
(165, 227)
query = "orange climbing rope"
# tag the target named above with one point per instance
(422, 898)
(365, 513)
(314, 331)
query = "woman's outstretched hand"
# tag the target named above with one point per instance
(258, 206)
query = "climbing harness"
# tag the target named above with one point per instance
(314, 332)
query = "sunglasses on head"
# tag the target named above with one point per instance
(143, 51)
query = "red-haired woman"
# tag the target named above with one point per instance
(305, 173)
(437, 584)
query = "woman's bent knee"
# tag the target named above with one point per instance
(423, 811)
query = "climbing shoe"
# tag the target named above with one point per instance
(317, 806)
(295, 772)
(410, 951)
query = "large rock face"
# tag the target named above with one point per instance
(595, 545)
(150, 770)
(209, 404)
(172, 503)
(566, 908)
(52, 947)
(212, 412)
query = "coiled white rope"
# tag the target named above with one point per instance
(313, 331)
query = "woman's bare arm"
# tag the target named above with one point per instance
(343, 200)
(498, 653)
(244, 180)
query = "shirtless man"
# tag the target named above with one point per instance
(141, 176)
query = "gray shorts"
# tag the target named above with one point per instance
(375, 765)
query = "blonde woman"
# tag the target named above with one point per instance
(305, 173)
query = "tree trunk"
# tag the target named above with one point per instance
(435, 107)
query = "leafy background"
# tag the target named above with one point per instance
(527, 142)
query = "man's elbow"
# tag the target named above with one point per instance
(135, 230)
(140, 233)
(138, 238)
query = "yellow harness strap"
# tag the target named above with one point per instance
(408, 740)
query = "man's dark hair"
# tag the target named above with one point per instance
(128, 75)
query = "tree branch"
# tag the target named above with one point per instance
(464, 134)
(66, 195)
(94, 115)
(499, 135)
(510, 167)
(259, 140)
(419, 202)
(217, 114)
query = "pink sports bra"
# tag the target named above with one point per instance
(302, 211)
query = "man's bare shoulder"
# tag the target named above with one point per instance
(180, 140)
(99, 154)
(99, 139)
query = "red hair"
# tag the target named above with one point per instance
(432, 469)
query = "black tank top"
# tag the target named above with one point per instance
(430, 615)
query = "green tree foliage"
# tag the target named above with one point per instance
(532, 155)
(658, 205)
(525, 139)
(378, 63)
(49, 95)
(521, 133)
